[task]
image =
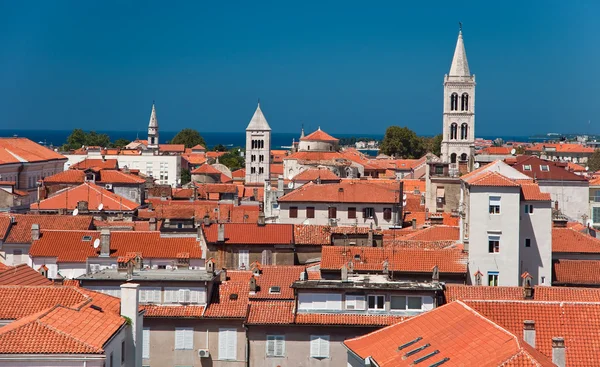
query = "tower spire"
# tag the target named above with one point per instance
(153, 129)
(460, 66)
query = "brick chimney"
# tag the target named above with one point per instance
(370, 238)
(529, 332)
(133, 336)
(152, 224)
(252, 284)
(105, 242)
(221, 233)
(558, 351)
(35, 232)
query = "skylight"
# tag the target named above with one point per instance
(526, 167)
(87, 238)
(545, 168)
(276, 289)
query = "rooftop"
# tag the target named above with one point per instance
(251, 233)
(346, 191)
(319, 135)
(149, 275)
(93, 194)
(21, 150)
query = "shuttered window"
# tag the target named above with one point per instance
(293, 212)
(185, 295)
(319, 346)
(310, 212)
(351, 213)
(320, 301)
(332, 212)
(275, 346)
(243, 259)
(184, 338)
(368, 213)
(150, 295)
(146, 343)
(227, 344)
(387, 213)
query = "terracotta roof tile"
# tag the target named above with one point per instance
(570, 240)
(556, 170)
(194, 158)
(312, 235)
(68, 177)
(497, 150)
(20, 230)
(251, 233)
(315, 174)
(223, 304)
(560, 147)
(15, 150)
(239, 173)
(455, 292)
(99, 163)
(206, 169)
(435, 233)
(89, 192)
(491, 179)
(531, 192)
(119, 177)
(344, 192)
(22, 275)
(138, 225)
(171, 148)
(271, 312)
(319, 135)
(346, 319)
(173, 311)
(314, 157)
(400, 259)
(576, 272)
(281, 276)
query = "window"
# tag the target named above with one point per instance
(352, 213)
(376, 302)
(310, 212)
(494, 204)
(332, 212)
(596, 214)
(414, 303)
(387, 214)
(184, 338)
(227, 344)
(319, 301)
(526, 167)
(464, 132)
(146, 343)
(398, 303)
(149, 295)
(545, 168)
(261, 158)
(368, 213)
(243, 259)
(453, 131)
(528, 209)
(493, 278)
(464, 102)
(261, 170)
(528, 242)
(494, 244)
(355, 302)
(319, 346)
(454, 102)
(293, 212)
(453, 158)
(275, 346)
(123, 352)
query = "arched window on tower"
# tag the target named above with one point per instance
(464, 131)
(463, 157)
(454, 102)
(453, 131)
(251, 144)
(453, 158)
(262, 144)
(464, 105)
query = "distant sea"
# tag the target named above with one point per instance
(236, 139)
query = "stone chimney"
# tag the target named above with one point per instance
(370, 238)
(414, 223)
(280, 183)
(252, 284)
(529, 332)
(435, 274)
(206, 220)
(152, 224)
(221, 233)
(344, 274)
(559, 222)
(223, 275)
(105, 242)
(261, 218)
(82, 206)
(386, 266)
(133, 337)
(35, 232)
(558, 351)
(255, 193)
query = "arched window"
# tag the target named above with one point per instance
(454, 102)
(463, 157)
(453, 131)
(464, 105)
(251, 144)
(464, 131)
(453, 158)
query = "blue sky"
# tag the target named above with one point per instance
(341, 65)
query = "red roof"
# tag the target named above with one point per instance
(319, 135)
(491, 178)
(239, 173)
(560, 147)
(570, 240)
(17, 150)
(198, 147)
(281, 276)
(576, 272)
(315, 157)
(435, 233)
(497, 150)
(71, 176)
(20, 230)
(137, 225)
(194, 158)
(346, 319)
(97, 163)
(344, 192)
(458, 332)
(206, 169)
(251, 234)
(322, 174)
(173, 311)
(312, 235)
(455, 292)
(93, 194)
(70, 246)
(171, 148)
(223, 304)
(22, 275)
(556, 170)
(399, 259)
(119, 177)
(531, 192)
(271, 312)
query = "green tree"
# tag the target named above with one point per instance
(233, 159)
(120, 143)
(186, 176)
(402, 142)
(189, 138)
(433, 144)
(220, 148)
(94, 139)
(594, 161)
(76, 140)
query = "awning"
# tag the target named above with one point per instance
(440, 192)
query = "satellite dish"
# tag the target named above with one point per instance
(75, 212)
(404, 197)
(513, 151)
(587, 168)
(96, 243)
(290, 176)
(306, 222)
(477, 165)
(290, 185)
(100, 206)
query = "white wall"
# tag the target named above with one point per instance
(322, 214)
(537, 226)
(572, 196)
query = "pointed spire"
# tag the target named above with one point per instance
(153, 120)
(460, 66)
(258, 121)
(302, 132)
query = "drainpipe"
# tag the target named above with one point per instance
(461, 214)
(247, 345)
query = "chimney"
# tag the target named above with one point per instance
(435, 274)
(223, 275)
(206, 220)
(133, 336)
(558, 351)
(386, 266)
(344, 273)
(280, 183)
(210, 266)
(261, 218)
(152, 224)
(35, 232)
(82, 206)
(529, 332)
(370, 238)
(252, 284)
(130, 267)
(221, 233)
(556, 205)
(105, 242)
(414, 223)
(255, 193)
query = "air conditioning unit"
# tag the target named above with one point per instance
(108, 186)
(203, 353)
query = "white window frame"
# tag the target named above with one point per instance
(277, 344)
(184, 338)
(244, 255)
(150, 295)
(526, 167)
(545, 168)
(319, 346)
(227, 344)
(146, 343)
(495, 274)
(356, 302)
(495, 201)
(376, 297)
(494, 237)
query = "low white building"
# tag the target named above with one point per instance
(506, 227)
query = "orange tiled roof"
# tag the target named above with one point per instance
(271, 312)
(399, 259)
(20, 230)
(556, 170)
(314, 174)
(138, 225)
(453, 330)
(277, 275)
(119, 177)
(239, 173)
(347, 319)
(16, 150)
(98, 163)
(22, 275)
(491, 178)
(251, 233)
(173, 311)
(344, 192)
(319, 135)
(560, 147)
(175, 148)
(574, 167)
(198, 147)
(595, 181)
(315, 157)
(223, 304)
(72, 176)
(215, 155)
(69, 246)
(576, 272)
(455, 292)
(89, 192)
(570, 240)
(206, 169)
(435, 233)
(448, 218)
(497, 150)
(531, 192)
(312, 235)
(194, 158)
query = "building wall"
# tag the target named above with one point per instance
(228, 255)
(206, 336)
(26, 175)
(265, 152)
(316, 146)
(506, 225)
(537, 226)
(572, 197)
(16, 361)
(322, 214)
(134, 193)
(451, 195)
(297, 344)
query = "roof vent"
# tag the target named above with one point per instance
(275, 289)
(357, 257)
(86, 238)
(97, 308)
(233, 296)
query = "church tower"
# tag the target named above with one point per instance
(153, 130)
(258, 149)
(458, 141)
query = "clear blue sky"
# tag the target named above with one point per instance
(344, 66)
